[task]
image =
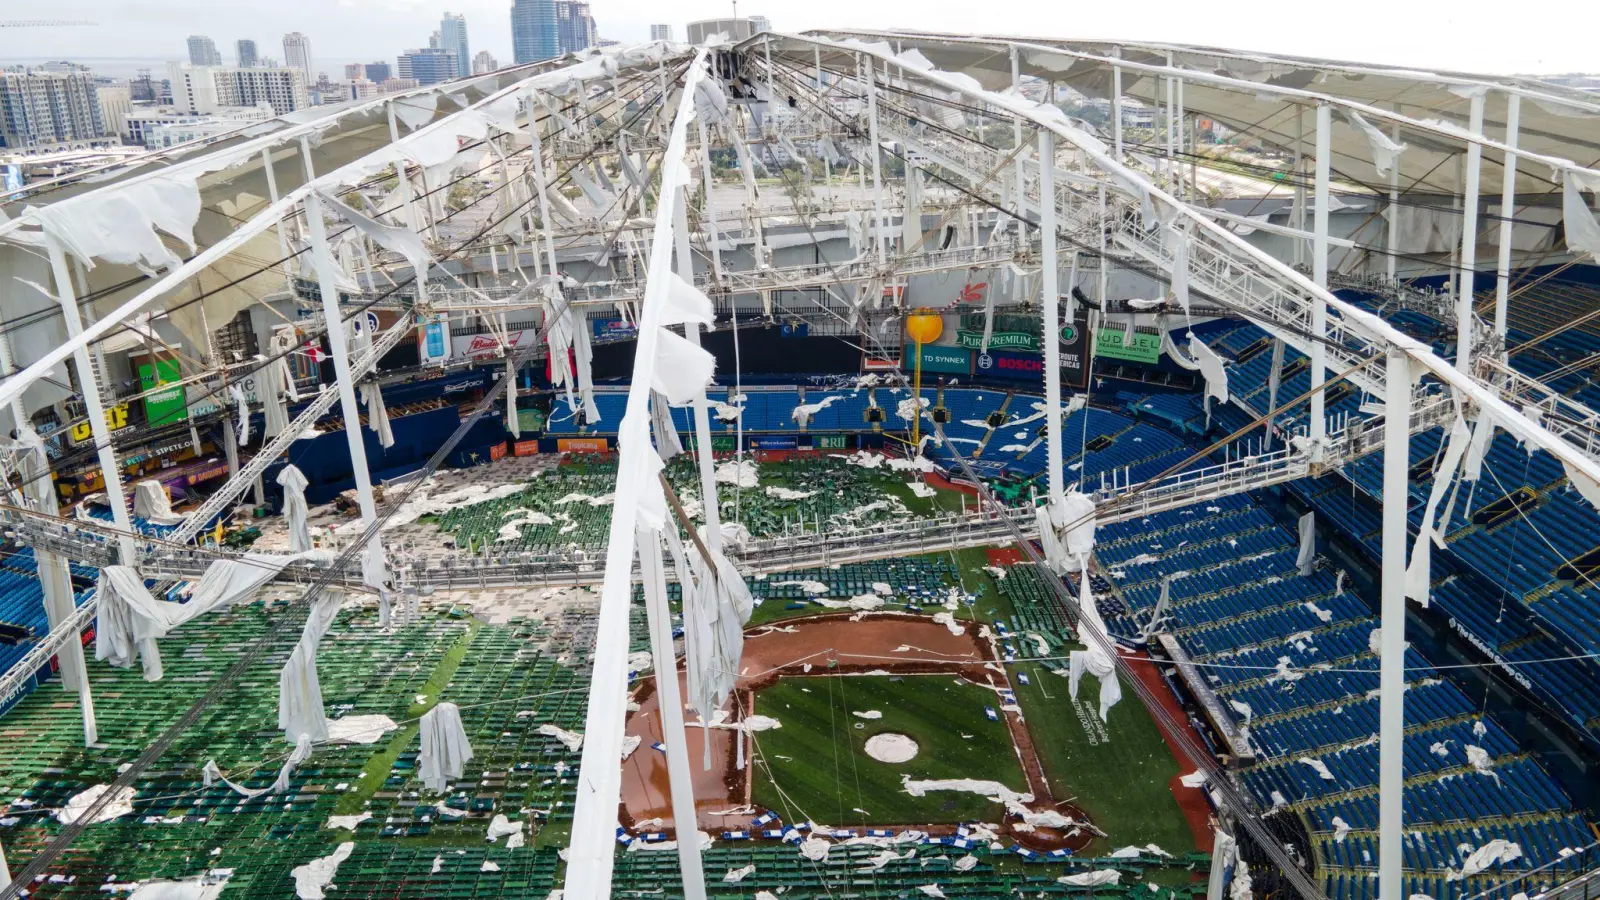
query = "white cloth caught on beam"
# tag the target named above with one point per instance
(242, 411)
(1094, 660)
(716, 606)
(129, 619)
(1308, 543)
(293, 482)
(300, 709)
(1419, 572)
(1583, 232)
(1212, 367)
(662, 429)
(445, 749)
(1385, 150)
(377, 413)
(399, 239)
(512, 424)
(151, 502)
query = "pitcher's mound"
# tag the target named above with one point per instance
(891, 748)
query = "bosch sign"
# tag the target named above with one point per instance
(1002, 364)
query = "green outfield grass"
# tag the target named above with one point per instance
(816, 766)
(1118, 771)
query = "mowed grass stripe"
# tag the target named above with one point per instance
(827, 774)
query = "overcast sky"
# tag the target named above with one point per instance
(1546, 37)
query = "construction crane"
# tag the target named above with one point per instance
(44, 23)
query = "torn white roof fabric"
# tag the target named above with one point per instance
(445, 748)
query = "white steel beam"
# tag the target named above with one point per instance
(346, 386)
(1508, 203)
(1050, 272)
(1469, 239)
(1392, 643)
(1319, 269)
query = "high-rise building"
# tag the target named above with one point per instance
(734, 29)
(574, 26)
(115, 104)
(759, 24)
(533, 30)
(378, 72)
(660, 32)
(297, 54)
(453, 36)
(203, 51)
(46, 109)
(285, 90)
(202, 90)
(354, 72)
(428, 66)
(483, 63)
(194, 89)
(245, 50)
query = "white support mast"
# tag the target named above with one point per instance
(1050, 273)
(340, 347)
(1319, 274)
(1508, 202)
(1392, 642)
(1469, 238)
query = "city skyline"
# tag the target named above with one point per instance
(353, 30)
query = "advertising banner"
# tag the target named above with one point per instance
(497, 451)
(773, 442)
(999, 340)
(168, 406)
(525, 448)
(948, 360)
(828, 442)
(433, 339)
(613, 329)
(583, 445)
(116, 420)
(1146, 347)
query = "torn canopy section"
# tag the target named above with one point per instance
(300, 711)
(445, 749)
(129, 619)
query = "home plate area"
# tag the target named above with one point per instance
(858, 727)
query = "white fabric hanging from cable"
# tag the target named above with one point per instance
(274, 406)
(294, 483)
(377, 413)
(1050, 519)
(1170, 348)
(445, 749)
(400, 239)
(662, 429)
(716, 606)
(1385, 150)
(911, 219)
(210, 774)
(300, 712)
(1094, 660)
(129, 619)
(1583, 232)
(242, 411)
(1308, 543)
(1419, 572)
(1212, 367)
(1178, 239)
(512, 424)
